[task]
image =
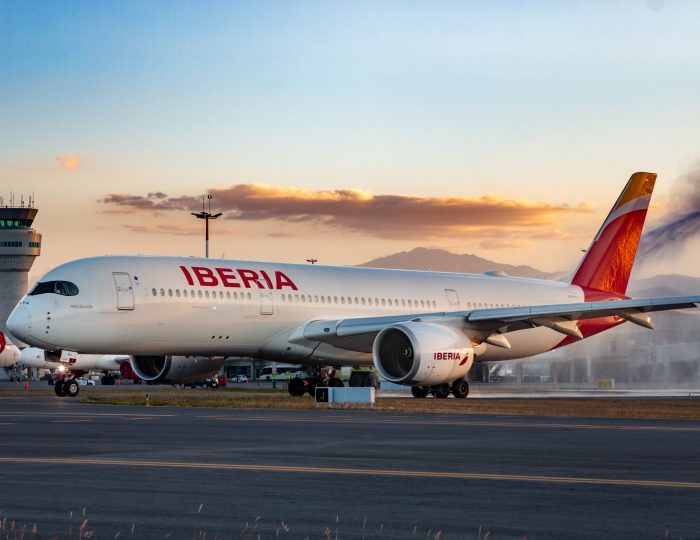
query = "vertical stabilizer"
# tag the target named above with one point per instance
(608, 261)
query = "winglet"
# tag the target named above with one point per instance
(607, 264)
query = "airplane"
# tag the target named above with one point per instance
(423, 329)
(67, 365)
(9, 353)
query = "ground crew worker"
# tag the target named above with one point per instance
(274, 378)
(288, 376)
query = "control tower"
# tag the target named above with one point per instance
(19, 246)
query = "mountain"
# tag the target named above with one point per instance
(443, 261)
(664, 285)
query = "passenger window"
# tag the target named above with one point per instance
(250, 296)
(206, 294)
(342, 299)
(155, 293)
(315, 299)
(335, 299)
(323, 299)
(303, 298)
(363, 300)
(296, 298)
(177, 293)
(349, 300)
(228, 295)
(199, 293)
(422, 304)
(162, 292)
(403, 302)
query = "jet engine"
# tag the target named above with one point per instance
(175, 369)
(423, 354)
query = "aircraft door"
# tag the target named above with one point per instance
(125, 291)
(266, 305)
(453, 299)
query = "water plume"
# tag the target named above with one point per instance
(682, 224)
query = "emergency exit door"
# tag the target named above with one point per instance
(453, 299)
(266, 304)
(125, 292)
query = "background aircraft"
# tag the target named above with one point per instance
(9, 353)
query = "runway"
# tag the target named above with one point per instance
(237, 473)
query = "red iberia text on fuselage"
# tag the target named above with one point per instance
(237, 278)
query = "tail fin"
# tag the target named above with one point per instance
(607, 264)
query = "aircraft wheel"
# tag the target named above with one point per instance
(71, 387)
(296, 387)
(335, 382)
(58, 388)
(311, 384)
(460, 388)
(107, 380)
(419, 392)
(441, 391)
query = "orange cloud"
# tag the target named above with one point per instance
(68, 163)
(172, 228)
(384, 216)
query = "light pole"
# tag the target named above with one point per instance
(206, 216)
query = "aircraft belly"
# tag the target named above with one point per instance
(523, 343)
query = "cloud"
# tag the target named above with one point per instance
(68, 163)
(166, 228)
(384, 216)
(506, 244)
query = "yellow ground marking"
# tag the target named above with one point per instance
(455, 475)
(476, 423)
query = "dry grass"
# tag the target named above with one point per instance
(663, 408)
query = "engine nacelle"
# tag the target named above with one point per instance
(175, 369)
(424, 354)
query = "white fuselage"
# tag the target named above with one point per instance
(189, 306)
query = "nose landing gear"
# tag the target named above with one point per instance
(68, 387)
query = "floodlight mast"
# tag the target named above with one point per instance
(206, 216)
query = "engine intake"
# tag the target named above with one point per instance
(425, 354)
(175, 369)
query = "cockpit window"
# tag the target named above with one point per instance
(64, 288)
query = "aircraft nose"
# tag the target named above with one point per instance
(20, 322)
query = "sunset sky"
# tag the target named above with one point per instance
(345, 130)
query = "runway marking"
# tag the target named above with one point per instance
(468, 423)
(356, 471)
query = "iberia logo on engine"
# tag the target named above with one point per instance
(461, 356)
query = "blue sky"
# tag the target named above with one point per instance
(553, 102)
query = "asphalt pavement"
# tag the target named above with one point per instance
(147, 472)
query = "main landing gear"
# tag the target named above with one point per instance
(298, 387)
(459, 389)
(68, 387)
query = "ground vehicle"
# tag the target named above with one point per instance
(265, 374)
(82, 381)
(239, 378)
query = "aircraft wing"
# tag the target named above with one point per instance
(482, 324)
